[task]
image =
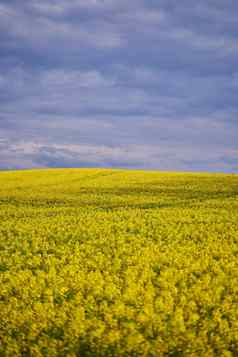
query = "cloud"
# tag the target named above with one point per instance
(41, 33)
(120, 90)
(32, 155)
(152, 143)
(112, 77)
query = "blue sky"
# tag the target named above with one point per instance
(147, 84)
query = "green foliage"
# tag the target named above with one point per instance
(118, 263)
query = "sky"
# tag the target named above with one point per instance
(140, 84)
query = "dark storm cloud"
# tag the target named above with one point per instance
(150, 84)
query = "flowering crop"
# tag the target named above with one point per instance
(118, 263)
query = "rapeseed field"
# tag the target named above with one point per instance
(97, 262)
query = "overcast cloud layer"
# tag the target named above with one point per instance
(147, 84)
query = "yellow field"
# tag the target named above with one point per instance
(118, 263)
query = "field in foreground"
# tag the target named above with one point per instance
(118, 263)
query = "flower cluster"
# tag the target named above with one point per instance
(118, 263)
